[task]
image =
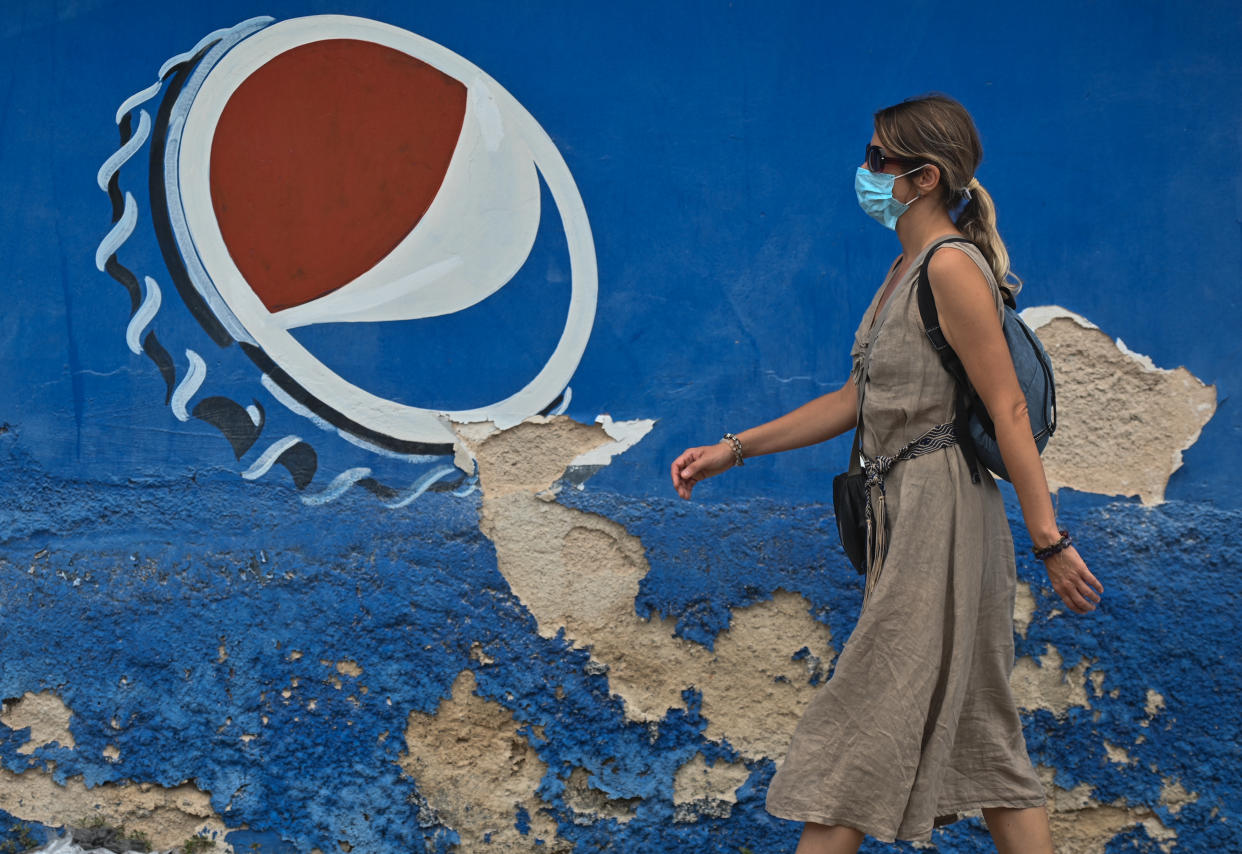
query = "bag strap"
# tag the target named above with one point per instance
(855, 466)
(931, 326)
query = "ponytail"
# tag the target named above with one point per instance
(978, 222)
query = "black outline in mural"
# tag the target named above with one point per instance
(321, 410)
(302, 462)
(160, 218)
(231, 418)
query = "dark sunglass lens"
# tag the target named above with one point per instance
(875, 158)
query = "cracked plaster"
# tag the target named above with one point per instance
(579, 572)
(1083, 825)
(476, 770)
(591, 804)
(1023, 608)
(1122, 422)
(1047, 684)
(45, 714)
(167, 815)
(696, 780)
(706, 791)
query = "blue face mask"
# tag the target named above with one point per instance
(875, 195)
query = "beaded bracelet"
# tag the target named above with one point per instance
(736, 444)
(1059, 546)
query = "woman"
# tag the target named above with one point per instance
(918, 723)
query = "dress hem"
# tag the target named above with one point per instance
(889, 836)
(860, 826)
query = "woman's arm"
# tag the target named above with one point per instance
(815, 421)
(968, 319)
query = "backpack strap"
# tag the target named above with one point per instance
(931, 326)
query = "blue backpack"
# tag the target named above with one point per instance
(975, 431)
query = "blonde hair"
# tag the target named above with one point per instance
(937, 129)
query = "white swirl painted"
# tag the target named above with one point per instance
(143, 316)
(188, 386)
(268, 458)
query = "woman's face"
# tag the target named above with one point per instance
(903, 187)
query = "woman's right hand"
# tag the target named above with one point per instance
(697, 464)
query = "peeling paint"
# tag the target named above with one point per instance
(1082, 825)
(1154, 704)
(478, 773)
(1023, 608)
(168, 816)
(579, 573)
(46, 716)
(1122, 422)
(625, 434)
(1118, 755)
(1048, 684)
(1175, 796)
(591, 804)
(698, 781)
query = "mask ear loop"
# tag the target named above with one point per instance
(917, 194)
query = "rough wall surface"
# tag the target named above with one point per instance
(226, 609)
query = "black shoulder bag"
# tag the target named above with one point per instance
(849, 503)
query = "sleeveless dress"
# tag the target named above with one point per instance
(917, 723)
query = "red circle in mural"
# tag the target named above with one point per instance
(324, 159)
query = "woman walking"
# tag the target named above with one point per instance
(918, 724)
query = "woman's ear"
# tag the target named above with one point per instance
(928, 179)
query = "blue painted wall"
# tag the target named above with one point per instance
(713, 145)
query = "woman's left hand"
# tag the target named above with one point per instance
(1073, 582)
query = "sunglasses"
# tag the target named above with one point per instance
(876, 159)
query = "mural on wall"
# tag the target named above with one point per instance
(329, 170)
(354, 260)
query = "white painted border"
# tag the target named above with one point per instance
(401, 422)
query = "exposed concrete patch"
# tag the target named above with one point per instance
(590, 804)
(1175, 796)
(45, 714)
(580, 573)
(167, 816)
(1154, 704)
(1023, 608)
(754, 691)
(698, 781)
(1046, 685)
(1082, 825)
(1122, 423)
(474, 769)
(540, 449)
(348, 667)
(1118, 755)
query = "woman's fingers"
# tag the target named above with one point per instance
(1073, 582)
(698, 464)
(684, 472)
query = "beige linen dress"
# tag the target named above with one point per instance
(918, 722)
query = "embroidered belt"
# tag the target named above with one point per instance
(936, 439)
